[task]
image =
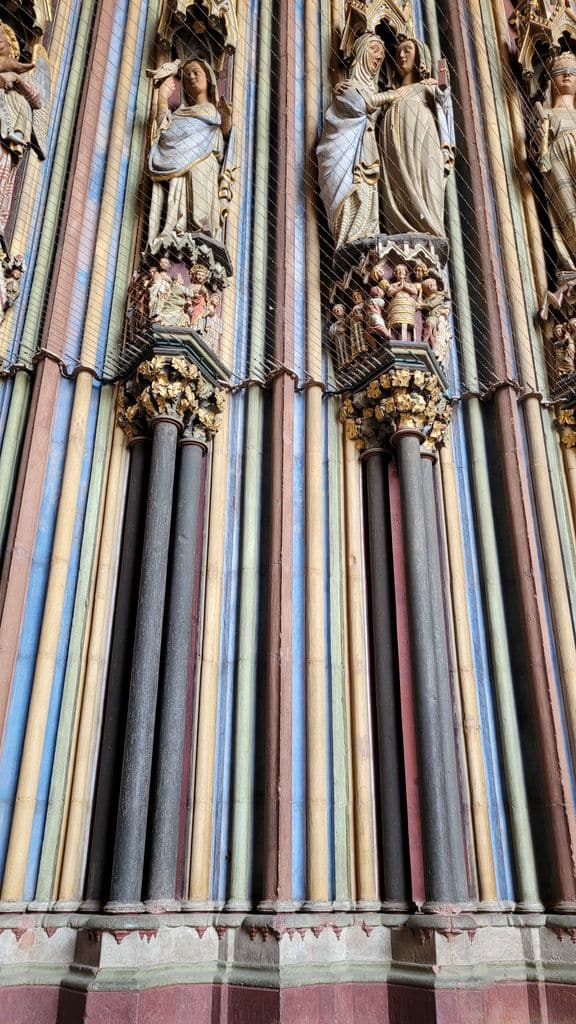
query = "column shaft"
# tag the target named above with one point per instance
(438, 873)
(118, 675)
(171, 733)
(454, 823)
(129, 849)
(392, 800)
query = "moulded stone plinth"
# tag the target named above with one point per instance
(360, 968)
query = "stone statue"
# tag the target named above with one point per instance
(416, 145)
(375, 311)
(565, 347)
(435, 308)
(403, 302)
(348, 160)
(189, 161)
(24, 101)
(338, 333)
(556, 139)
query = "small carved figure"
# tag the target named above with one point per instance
(348, 159)
(565, 347)
(436, 310)
(338, 332)
(11, 271)
(188, 157)
(174, 312)
(556, 141)
(375, 307)
(402, 304)
(159, 289)
(416, 144)
(213, 325)
(356, 323)
(199, 294)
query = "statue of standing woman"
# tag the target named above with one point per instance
(557, 158)
(348, 158)
(416, 145)
(190, 156)
(389, 179)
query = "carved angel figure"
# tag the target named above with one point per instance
(24, 100)
(189, 160)
(348, 160)
(557, 157)
(416, 145)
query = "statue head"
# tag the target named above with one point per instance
(401, 272)
(562, 71)
(339, 311)
(430, 286)
(357, 296)
(367, 59)
(9, 46)
(199, 274)
(199, 82)
(413, 61)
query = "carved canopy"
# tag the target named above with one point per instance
(220, 14)
(541, 26)
(367, 15)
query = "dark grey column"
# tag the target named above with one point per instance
(395, 892)
(438, 874)
(446, 722)
(110, 764)
(173, 696)
(128, 864)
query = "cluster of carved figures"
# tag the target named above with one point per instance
(386, 149)
(388, 302)
(173, 294)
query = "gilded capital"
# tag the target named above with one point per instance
(171, 387)
(400, 399)
(566, 426)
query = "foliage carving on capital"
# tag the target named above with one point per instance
(566, 426)
(172, 387)
(400, 399)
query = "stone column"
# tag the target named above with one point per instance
(445, 697)
(394, 858)
(178, 653)
(118, 678)
(170, 392)
(406, 406)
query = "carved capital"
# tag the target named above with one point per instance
(171, 387)
(566, 426)
(401, 399)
